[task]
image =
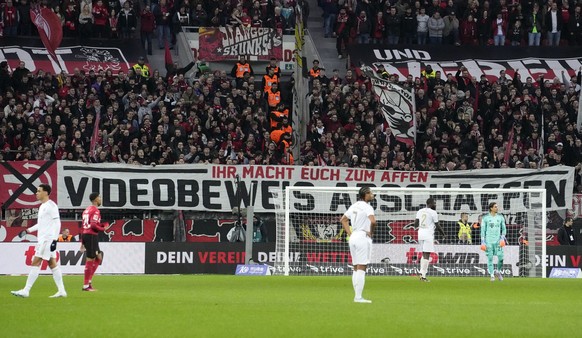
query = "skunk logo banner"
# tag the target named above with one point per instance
(397, 105)
(228, 43)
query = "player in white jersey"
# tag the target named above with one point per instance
(48, 226)
(361, 216)
(426, 221)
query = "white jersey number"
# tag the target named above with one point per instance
(423, 221)
(86, 223)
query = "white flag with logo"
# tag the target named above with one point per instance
(397, 105)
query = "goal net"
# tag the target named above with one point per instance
(311, 241)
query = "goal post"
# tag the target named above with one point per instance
(311, 241)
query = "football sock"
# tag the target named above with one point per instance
(490, 265)
(88, 269)
(423, 267)
(499, 263)
(58, 277)
(360, 282)
(354, 279)
(96, 263)
(32, 276)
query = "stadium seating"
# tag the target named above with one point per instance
(211, 119)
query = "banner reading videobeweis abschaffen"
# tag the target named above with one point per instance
(213, 187)
(228, 43)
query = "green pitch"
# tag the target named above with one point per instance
(233, 306)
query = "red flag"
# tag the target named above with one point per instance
(168, 55)
(49, 28)
(509, 146)
(95, 138)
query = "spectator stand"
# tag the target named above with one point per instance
(344, 105)
(188, 41)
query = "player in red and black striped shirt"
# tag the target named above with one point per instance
(91, 227)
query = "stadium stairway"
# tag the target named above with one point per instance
(156, 61)
(325, 46)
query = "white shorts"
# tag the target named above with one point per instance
(360, 248)
(43, 250)
(426, 245)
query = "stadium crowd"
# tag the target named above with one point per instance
(461, 123)
(152, 118)
(161, 19)
(472, 22)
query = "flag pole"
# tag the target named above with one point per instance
(542, 140)
(55, 62)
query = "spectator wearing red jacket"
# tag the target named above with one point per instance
(378, 28)
(148, 23)
(565, 13)
(101, 17)
(469, 31)
(10, 18)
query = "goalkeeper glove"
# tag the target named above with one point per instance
(22, 234)
(502, 241)
(53, 246)
(483, 246)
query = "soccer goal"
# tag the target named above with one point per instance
(311, 241)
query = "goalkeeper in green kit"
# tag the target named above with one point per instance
(493, 232)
